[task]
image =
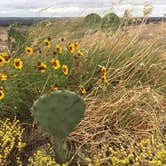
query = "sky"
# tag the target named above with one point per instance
(74, 8)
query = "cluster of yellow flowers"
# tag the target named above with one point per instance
(144, 152)
(42, 66)
(5, 59)
(10, 140)
(44, 156)
(18, 62)
(104, 74)
(72, 48)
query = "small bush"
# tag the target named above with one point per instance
(110, 22)
(11, 142)
(145, 152)
(92, 20)
(16, 39)
(43, 156)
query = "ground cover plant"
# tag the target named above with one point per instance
(119, 74)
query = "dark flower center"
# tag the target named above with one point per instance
(17, 64)
(49, 38)
(70, 48)
(55, 63)
(6, 58)
(64, 69)
(42, 68)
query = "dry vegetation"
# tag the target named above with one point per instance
(124, 114)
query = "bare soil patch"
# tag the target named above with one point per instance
(3, 37)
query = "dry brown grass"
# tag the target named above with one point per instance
(130, 114)
(123, 114)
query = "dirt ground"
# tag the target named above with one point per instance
(3, 38)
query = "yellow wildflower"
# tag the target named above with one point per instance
(55, 63)
(104, 74)
(18, 63)
(103, 69)
(104, 78)
(155, 163)
(76, 44)
(40, 158)
(3, 77)
(2, 60)
(47, 43)
(162, 154)
(72, 48)
(29, 50)
(6, 57)
(82, 90)
(65, 70)
(42, 67)
(4, 54)
(80, 53)
(58, 49)
(2, 94)
(11, 138)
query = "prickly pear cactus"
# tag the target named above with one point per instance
(59, 112)
(92, 20)
(110, 22)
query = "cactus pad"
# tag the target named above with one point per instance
(59, 112)
(110, 22)
(92, 20)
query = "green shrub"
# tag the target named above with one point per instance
(110, 22)
(17, 39)
(92, 20)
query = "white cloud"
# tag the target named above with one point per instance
(66, 8)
